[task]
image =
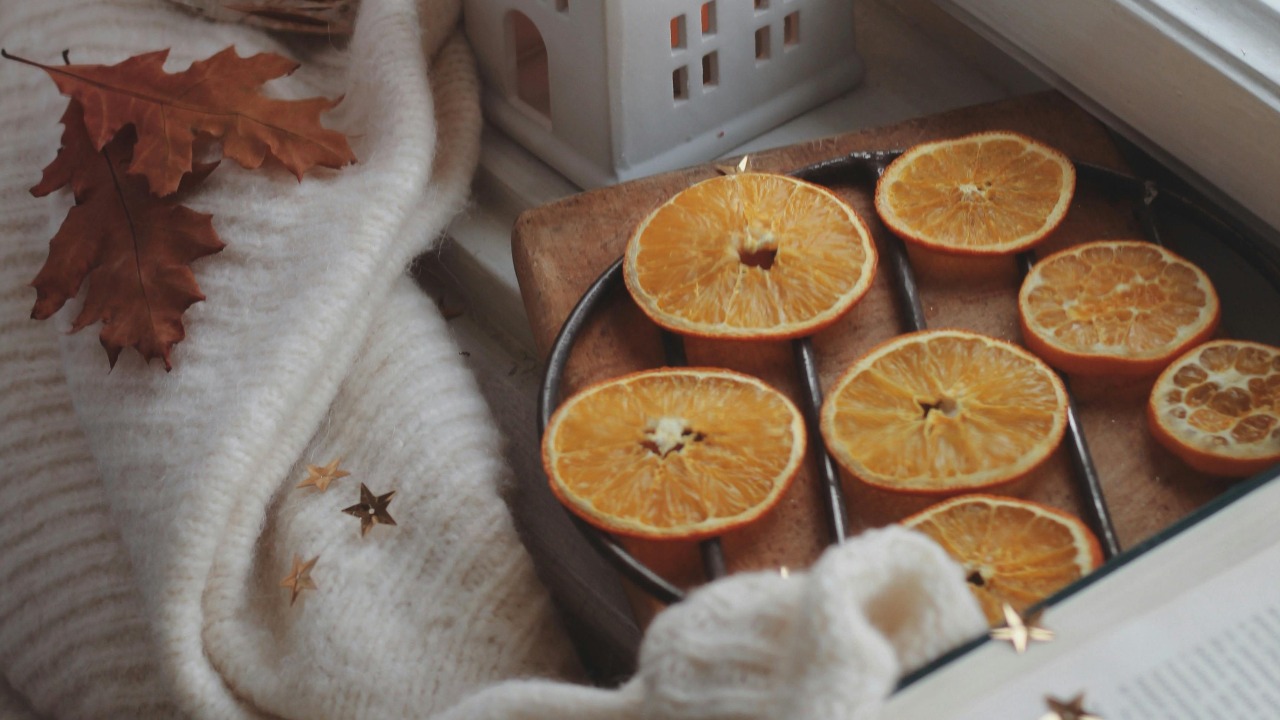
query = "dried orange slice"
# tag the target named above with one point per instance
(1115, 307)
(1013, 551)
(750, 255)
(991, 193)
(941, 411)
(673, 453)
(1218, 408)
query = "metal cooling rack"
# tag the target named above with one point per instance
(863, 168)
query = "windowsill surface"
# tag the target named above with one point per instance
(909, 73)
(919, 61)
(1194, 84)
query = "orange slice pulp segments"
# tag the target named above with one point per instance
(1218, 407)
(1115, 307)
(941, 411)
(673, 453)
(987, 193)
(750, 255)
(1012, 550)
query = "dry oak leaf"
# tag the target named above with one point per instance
(132, 248)
(219, 97)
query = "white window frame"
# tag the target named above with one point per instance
(1194, 82)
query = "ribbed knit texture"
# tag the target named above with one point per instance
(147, 518)
(829, 642)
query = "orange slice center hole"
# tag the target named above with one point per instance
(980, 574)
(973, 190)
(759, 248)
(947, 406)
(667, 435)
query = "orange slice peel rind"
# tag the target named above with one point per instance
(944, 411)
(1012, 550)
(989, 193)
(1217, 407)
(1115, 307)
(750, 256)
(674, 453)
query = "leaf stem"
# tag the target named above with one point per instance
(9, 56)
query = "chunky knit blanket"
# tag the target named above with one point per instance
(147, 518)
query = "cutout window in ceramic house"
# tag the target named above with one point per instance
(710, 70)
(762, 43)
(680, 83)
(791, 30)
(532, 83)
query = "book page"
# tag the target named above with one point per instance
(1212, 653)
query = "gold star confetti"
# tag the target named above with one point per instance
(299, 578)
(1072, 709)
(372, 510)
(741, 167)
(320, 477)
(1020, 632)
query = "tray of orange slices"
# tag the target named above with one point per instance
(955, 416)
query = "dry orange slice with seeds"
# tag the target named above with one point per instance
(991, 193)
(1218, 408)
(751, 256)
(1115, 307)
(673, 453)
(942, 411)
(1012, 551)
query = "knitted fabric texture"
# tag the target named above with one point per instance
(146, 518)
(149, 517)
(829, 642)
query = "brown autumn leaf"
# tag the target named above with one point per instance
(133, 249)
(219, 97)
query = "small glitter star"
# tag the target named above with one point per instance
(372, 510)
(1072, 709)
(741, 167)
(1019, 632)
(320, 477)
(299, 578)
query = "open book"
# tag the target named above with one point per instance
(1185, 627)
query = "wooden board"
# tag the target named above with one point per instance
(561, 248)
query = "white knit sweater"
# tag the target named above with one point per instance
(146, 519)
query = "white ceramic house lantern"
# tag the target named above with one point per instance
(609, 90)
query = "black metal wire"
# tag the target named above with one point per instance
(864, 167)
(1086, 473)
(828, 474)
(673, 349)
(1146, 212)
(1085, 469)
(549, 398)
(910, 307)
(1259, 254)
(713, 563)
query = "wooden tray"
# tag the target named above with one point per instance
(561, 248)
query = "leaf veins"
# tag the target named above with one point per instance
(219, 97)
(131, 248)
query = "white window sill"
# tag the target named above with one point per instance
(1195, 83)
(909, 74)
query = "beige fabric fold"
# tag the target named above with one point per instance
(149, 517)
